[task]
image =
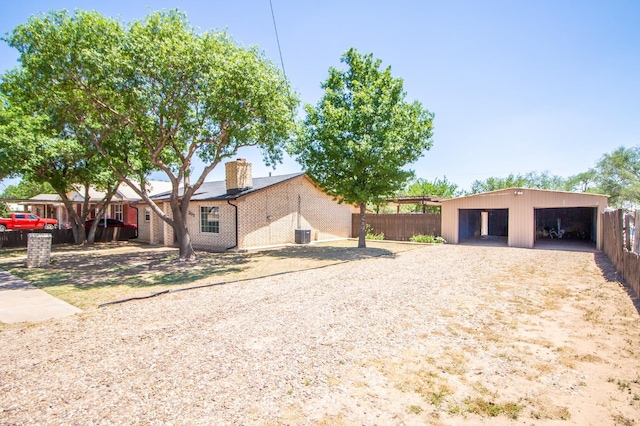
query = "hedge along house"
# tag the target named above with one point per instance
(243, 212)
(523, 216)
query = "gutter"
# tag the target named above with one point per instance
(236, 207)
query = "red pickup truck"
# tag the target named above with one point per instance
(27, 220)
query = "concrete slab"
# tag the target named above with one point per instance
(22, 302)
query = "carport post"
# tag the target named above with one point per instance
(484, 229)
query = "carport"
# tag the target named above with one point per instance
(522, 216)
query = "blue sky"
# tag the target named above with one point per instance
(516, 86)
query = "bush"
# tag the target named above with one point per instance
(427, 239)
(371, 236)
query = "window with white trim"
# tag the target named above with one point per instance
(147, 214)
(210, 219)
(117, 212)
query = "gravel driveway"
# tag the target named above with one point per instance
(438, 335)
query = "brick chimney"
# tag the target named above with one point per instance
(238, 176)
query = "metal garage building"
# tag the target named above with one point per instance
(522, 216)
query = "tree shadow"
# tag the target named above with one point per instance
(610, 273)
(85, 271)
(139, 269)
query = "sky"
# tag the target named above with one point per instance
(516, 86)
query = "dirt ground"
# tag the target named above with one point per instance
(440, 335)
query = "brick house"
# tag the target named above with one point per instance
(243, 212)
(122, 206)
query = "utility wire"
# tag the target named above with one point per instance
(277, 38)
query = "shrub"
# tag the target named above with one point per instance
(370, 234)
(427, 239)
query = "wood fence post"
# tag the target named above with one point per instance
(636, 234)
(627, 231)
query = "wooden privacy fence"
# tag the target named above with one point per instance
(621, 244)
(10, 239)
(399, 227)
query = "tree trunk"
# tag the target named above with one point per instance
(79, 233)
(91, 237)
(184, 242)
(363, 226)
(77, 228)
(183, 238)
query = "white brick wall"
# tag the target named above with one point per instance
(272, 215)
(225, 238)
(144, 228)
(266, 217)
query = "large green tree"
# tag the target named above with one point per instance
(537, 180)
(155, 94)
(358, 139)
(617, 174)
(25, 189)
(438, 187)
(43, 140)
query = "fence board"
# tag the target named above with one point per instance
(616, 233)
(399, 227)
(12, 239)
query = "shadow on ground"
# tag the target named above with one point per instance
(142, 268)
(146, 268)
(610, 273)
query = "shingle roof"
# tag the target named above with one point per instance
(218, 191)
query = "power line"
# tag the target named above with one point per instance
(273, 16)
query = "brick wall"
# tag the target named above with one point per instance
(129, 214)
(225, 238)
(38, 250)
(144, 227)
(266, 217)
(272, 215)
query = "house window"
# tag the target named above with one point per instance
(117, 211)
(209, 219)
(147, 214)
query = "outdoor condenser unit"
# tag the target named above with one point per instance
(303, 236)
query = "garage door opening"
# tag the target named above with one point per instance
(483, 226)
(566, 226)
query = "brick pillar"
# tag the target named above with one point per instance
(38, 250)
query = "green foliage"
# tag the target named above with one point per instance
(582, 182)
(617, 174)
(437, 187)
(27, 189)
(371, 235)
(357, 140)
(420, 238)
(152, 95)
(530, 180)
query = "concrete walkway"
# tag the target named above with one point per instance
(22, 302)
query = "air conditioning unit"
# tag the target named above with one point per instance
(303, 236)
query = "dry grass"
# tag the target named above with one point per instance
(87, 277)
(441, 335)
